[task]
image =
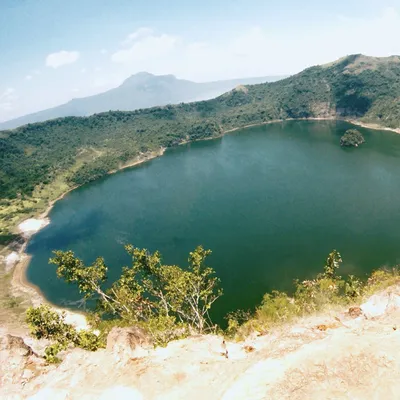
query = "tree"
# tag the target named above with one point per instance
(332, 264)
(148, 292)
(352, 137)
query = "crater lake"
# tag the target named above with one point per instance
(271, 202)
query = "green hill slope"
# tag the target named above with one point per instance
(40, 161)
(141, 90)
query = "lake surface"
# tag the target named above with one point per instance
(270, 201)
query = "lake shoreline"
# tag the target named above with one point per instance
(20, 281)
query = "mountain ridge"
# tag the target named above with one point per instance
(131, 95)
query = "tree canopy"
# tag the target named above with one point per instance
(352, 138)
(148, 292)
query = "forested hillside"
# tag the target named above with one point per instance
(40, 161)
(141, 90)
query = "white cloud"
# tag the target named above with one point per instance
(139, 33)
(145, 46)
(75, 90)
(36, 72)
(258, 51)
(83, 71)
(28, 77)
(56, 60)
(103, 51)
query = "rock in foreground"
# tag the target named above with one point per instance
(355, 356)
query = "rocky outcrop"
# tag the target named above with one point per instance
(18, 363)
(379, 304)
(128, 343)
(347, 354)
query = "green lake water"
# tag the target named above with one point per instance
(270, 202)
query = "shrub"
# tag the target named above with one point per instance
(50, 353)
(381, 279)
(276, 307)
(353, 287)
(87, 340)
(45, 323)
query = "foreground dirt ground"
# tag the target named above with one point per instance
(332, 356)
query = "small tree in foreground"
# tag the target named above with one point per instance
(148, 292)
(332, 264)
(45, 323)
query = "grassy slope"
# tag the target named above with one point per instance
(40, 161)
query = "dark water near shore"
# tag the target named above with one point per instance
(270, 201)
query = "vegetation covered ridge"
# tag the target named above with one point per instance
(40, 161)
(169, 302)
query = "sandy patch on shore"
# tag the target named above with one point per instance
(10, 261)
(32, 225)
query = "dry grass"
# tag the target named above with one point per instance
(12, 305)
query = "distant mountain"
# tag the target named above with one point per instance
(141, 90)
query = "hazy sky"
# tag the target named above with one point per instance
(54, 50)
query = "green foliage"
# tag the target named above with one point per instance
(163, 329)
(309, 296)
(381, 279)
(314, 295)
(352, 138)
(171, 303)
(166, 300)
(87, 340)
(236, 319)
(353, 287)
(327, 288)
(332, 265)
(276, 307)
(51, 352)
(48, 324)
(72, 270)
(45, 323)
(7, 238)
(204, 131)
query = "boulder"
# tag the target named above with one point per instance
(128, 343)
(375, 306)
(15, 359)
(378, 304)
(14, 344)
(355, 312)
